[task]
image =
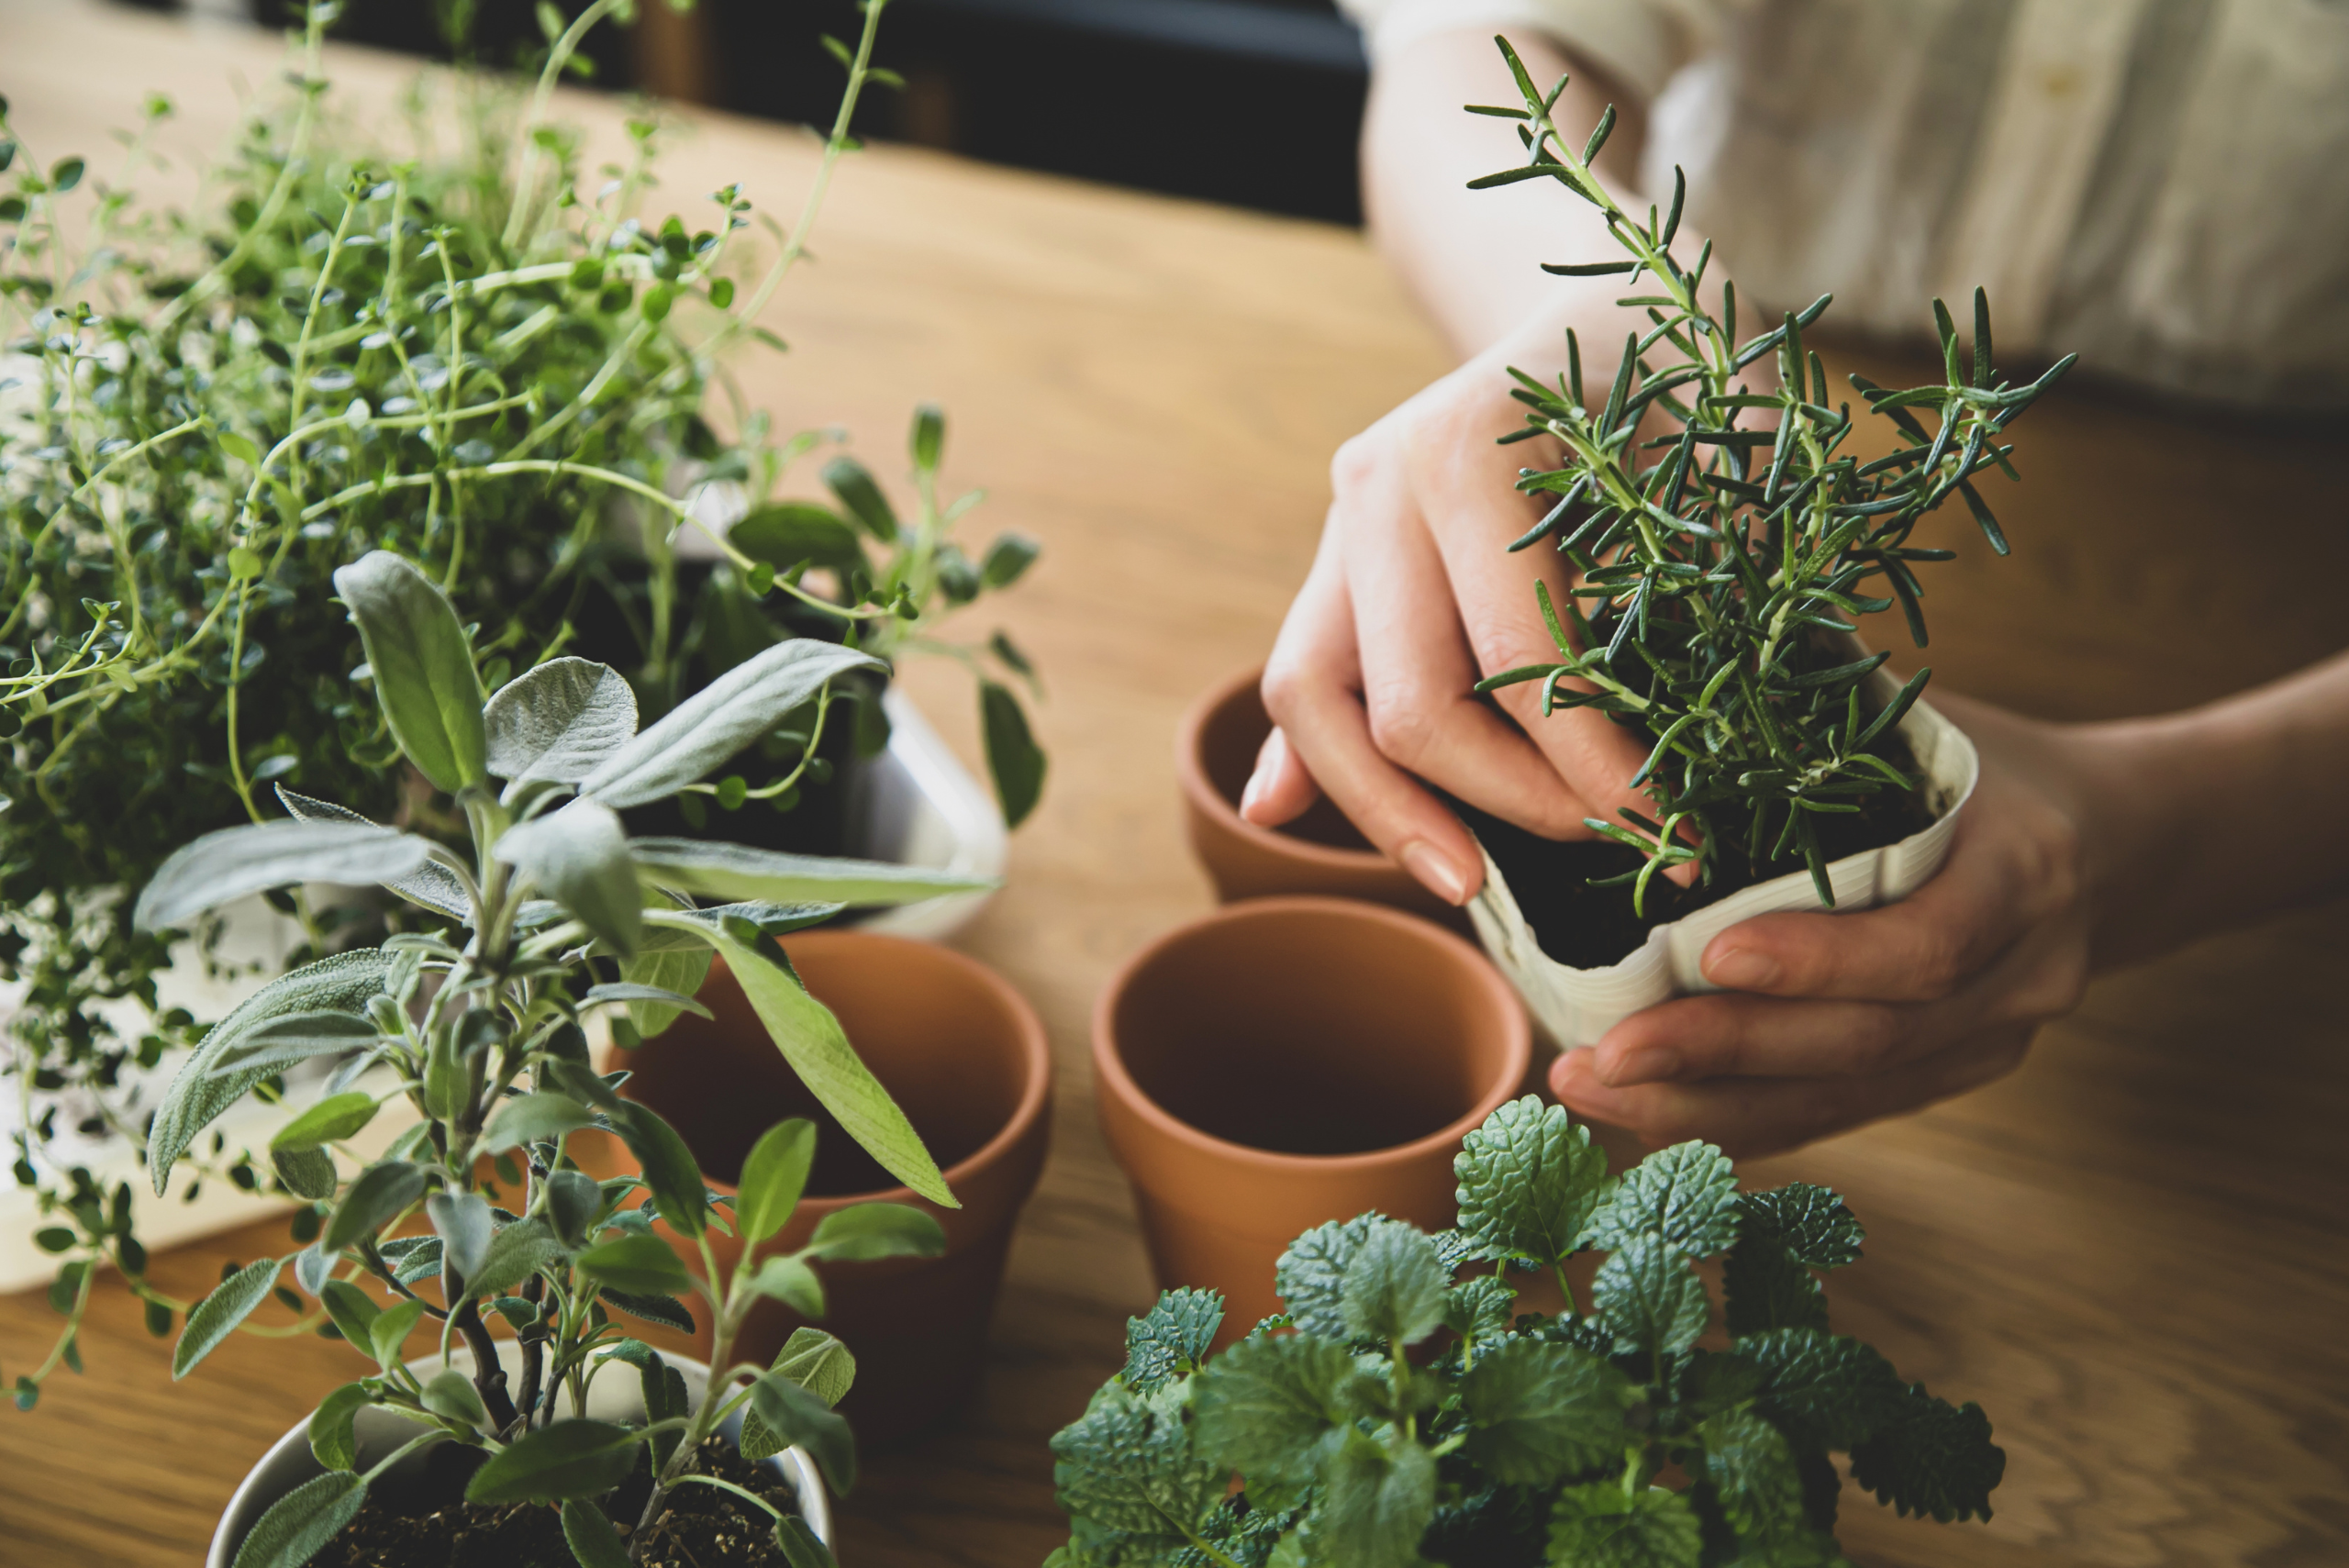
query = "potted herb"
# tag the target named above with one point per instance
(472, 359)
(1412, 1417)
(1719, 567)
(480, 1029)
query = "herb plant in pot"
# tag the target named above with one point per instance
(1285, 1062)
(1413, 1417)
(480, 1020)
(965, 1057)
(1723, 561)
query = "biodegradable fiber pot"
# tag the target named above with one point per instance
(1321, 852)
(965, 1056)
(1287, 1062)
(613, 1396)
(1575, 1006)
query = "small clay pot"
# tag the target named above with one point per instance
(965, 1057)
(1287, 1062)
(1319, 852)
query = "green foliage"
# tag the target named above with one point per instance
(1723, 561)
(1386, 1430)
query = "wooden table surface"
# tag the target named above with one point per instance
(2129, 1253)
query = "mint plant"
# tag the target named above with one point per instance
(1402, 1413)
(1717, 552)
(477, 350)
(476, 1030)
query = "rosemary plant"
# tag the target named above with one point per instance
(477, 1035)
(470, 353)
(1727, 557)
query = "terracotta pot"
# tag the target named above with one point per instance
(1287, 1062)
(965, 1056)
(1321, 852)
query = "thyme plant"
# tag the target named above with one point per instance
(1726, 557)
(467, 351)
(476, 1034)
(1415, 1417)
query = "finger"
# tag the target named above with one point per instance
(1418, 677)
(1312, 688)
(1282, 788)
(1749, 1117)
(1926, 947)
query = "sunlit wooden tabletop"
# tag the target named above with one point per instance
(2131, 1252)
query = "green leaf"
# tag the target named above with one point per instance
(383, 1192)
(1833, 1390)
(431, 883)
(1268, 1407)
(533, 1118)
(1007, 559)
(307, 1172)
(238, 447)
(1764, 1287)
(352, 1309)
(278, 1043)
(680, 971)
(1530, 1180)
(516, 1252)
(1809, 1221)
(678, 1191)
(792, 533)
(578, 1458)
(1598, 1527)
(799, 1544)
(1014, 760)
(1171, 1339)
(297, 1525)
(244, 564)
(1541, 1412)
(666, 1310)
(1649, 1300)
(227, 865)
(929, 439)
(863, 1233)
(331, 1120)
(452, 1394)
(848, 480)
(423, 668)
(793, 1283)
(211, 1320)
(466, 1229)
(815, 1360)
(803, 1420)
(737, 870)
(387, 1335)
(1312, 1276)
(1933, 1458)
(572, 1202)
(1394, 1285)
(579, 857)
(716, 722)
(333, 1442)
(591, 1537)
(774, 1175)
(818, 1050)
(631, 991)
(1753, 1472)
(1128, 1465)
(65, 174)
(1686, 1194)
(558, 721)
(1377, 1502)
(639, 1265)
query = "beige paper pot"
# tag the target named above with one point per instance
(1287, 1062)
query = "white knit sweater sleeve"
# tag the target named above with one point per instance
(1641, 43)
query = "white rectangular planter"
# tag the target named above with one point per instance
(1575, 1006)
(918, 805)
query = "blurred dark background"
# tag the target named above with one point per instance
(1250, 102)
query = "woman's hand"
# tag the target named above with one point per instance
(1830, 1020)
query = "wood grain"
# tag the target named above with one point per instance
(2129, 1253)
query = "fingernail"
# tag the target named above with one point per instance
(1649, 1064)
(1742, 969)
(1248, 796)
(1435, 869)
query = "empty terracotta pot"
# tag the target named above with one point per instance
(1319, 852)
(965, 1057)
(1287, 1062)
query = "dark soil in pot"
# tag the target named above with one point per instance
(731, 628)
(425, 1522)
(1590, 927)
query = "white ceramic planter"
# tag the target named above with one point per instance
(613, 1396)
(918, 805)
(1575, 1006)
